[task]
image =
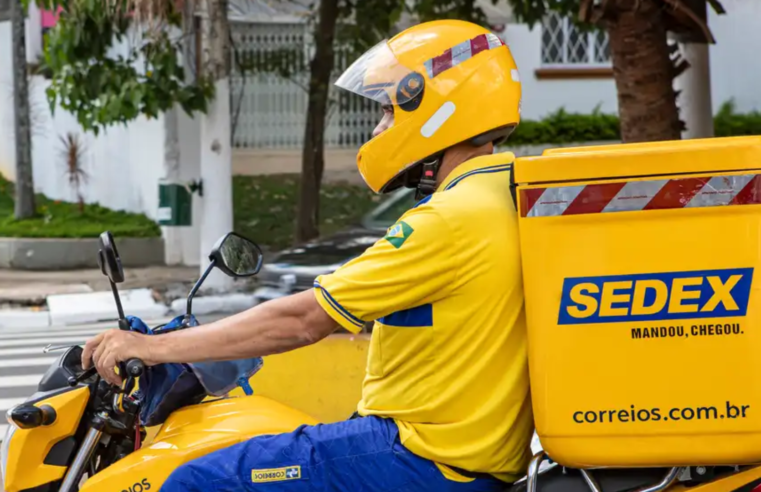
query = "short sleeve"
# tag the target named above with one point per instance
(412, 266)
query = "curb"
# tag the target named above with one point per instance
(24, 318)
(214, 304)
(96, 307)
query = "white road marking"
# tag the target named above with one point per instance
(36, 361)
(31, 336)
(43, 342)
(20, 381)
(24, 351)
(7, 403)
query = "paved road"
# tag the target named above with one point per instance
(22, 362)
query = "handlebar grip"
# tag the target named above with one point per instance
(135, 368)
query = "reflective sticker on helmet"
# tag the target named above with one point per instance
(462, 52)
(439, 118)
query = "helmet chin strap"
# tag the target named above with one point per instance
(427, 184)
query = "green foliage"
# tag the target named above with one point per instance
(728, 123)
(63, 219)
(104, 89)
(265, 207)
(371, 21)
(564, 127)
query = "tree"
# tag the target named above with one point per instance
(313, 153)
(642, 66)
(103, 89)
(25, 206)
(361, 23)
(355, 25)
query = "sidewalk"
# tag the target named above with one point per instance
(45, 298)
(33, 287)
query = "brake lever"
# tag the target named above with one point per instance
(75, 380)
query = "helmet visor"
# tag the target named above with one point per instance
(379, 76)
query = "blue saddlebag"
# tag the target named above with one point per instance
(165, 388)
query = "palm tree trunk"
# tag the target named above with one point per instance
(643, 71)
(313, 157)
(25, 207)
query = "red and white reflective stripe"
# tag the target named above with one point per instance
(632, 196)
(461, 52)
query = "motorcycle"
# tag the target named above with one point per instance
(81, 433)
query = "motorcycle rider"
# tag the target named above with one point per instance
(445, 401)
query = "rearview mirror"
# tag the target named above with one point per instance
(108, 259)
(237, 256)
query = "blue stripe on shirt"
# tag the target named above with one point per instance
(341, 310)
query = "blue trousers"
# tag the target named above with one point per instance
(357, 455)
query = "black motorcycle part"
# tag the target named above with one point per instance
(611, 480)
(48, 487)
(62, 452)
(58, 375)
(28, 416)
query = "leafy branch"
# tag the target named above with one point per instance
(102, 88)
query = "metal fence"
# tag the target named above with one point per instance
(269, 90)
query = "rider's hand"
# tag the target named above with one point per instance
(113, 346)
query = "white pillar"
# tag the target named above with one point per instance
(33, 33)
(189, 130)
(695, 106)
(172, 236)
(216, 218)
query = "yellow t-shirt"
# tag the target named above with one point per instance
(448, 357)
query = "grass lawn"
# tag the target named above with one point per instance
(63, 219)
(265, 207)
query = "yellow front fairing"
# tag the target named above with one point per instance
(196, 431)
(29, 448)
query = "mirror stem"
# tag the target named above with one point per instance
(117, 299)
(196, 286)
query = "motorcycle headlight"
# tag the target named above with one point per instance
(6, 444)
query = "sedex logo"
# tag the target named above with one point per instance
(655, 296)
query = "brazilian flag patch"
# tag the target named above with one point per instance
(399, 233)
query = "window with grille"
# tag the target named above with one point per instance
(564, 44)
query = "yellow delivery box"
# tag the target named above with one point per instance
(642, 300)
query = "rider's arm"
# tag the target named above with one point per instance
(413, 266)
(401, 275)
(276, 326)
(272, 327)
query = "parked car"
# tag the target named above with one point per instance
(294, 269)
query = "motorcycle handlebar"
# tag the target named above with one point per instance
(135, 368)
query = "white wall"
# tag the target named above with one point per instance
(123, 164)
(541, 97)
(6, 100)
(736, 58)
(735, 67)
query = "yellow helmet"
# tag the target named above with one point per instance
(449, 82)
